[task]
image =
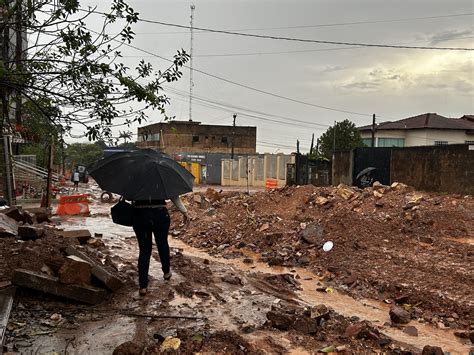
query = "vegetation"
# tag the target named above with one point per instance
(344, 134)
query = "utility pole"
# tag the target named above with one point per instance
(191, 83)
(334, 138)
(233, 137)
(373, 130)
(50, 173)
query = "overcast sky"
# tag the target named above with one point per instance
(392, 83)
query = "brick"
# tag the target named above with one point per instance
(75, 271)
(111, 281)
(83, 235)
(51, 285)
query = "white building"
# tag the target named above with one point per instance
(425, 129)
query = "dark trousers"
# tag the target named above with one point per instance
(148, 221)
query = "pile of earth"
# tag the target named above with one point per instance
(390, 242)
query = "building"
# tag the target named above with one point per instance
(425, 129)
(176, 137)
(198, 147)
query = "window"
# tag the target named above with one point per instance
(469, 142)
(224, 140)
(391, 142)
(195, 139)
(155, 137)
(367, 142)
(441, 143)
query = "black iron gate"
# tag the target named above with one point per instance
(378, 158)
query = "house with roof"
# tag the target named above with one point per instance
(425, 129)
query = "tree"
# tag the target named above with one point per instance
(346, 135)
(72, 74)
(83, 153)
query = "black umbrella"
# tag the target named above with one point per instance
(142, 175)
(364, 172)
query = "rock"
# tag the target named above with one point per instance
(320, 200)
(30, 233)
(432, 350)
(264, 227)
(413, 201)
(353, 330)
(319, 312)
(222, 247)
(305, 325)
(464, 334)
(75, 271)
(233, 280)
(128, 348)
(280, 320)
(411, 330)
(399, 315)
(312, 234)
(41, 214)
(197, 199)
(426, 239)
(379, 203)
(248, 261)
(377, 194)
(211, 211)
(8, 226)
(351, 279)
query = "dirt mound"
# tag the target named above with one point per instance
(388, 241)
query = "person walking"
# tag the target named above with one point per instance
(152, 217)
(75, 179)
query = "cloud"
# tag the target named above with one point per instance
(448, 36)
(440, 73)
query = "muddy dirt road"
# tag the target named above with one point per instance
(212, 304)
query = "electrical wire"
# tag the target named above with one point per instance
(359, 44)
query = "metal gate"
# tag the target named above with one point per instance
(378, 158)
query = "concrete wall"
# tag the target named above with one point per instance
(342, 168)
(260, 168)
(179, 136)
(422, 137)
(442, 168)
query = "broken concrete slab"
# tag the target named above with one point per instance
(8, 226)
(30, 232)
(6, 303)
(75, 271)
(83, 235)
(111, 281)
(42, 214)
(51, 285)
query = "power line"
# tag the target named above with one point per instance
(244, 34)
(249, 87)
(324, 24)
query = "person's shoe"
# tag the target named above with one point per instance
(142, 292)
(167, 276)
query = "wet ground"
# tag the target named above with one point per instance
(212, 304)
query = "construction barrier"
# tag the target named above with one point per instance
(271, 184)
(73, 205)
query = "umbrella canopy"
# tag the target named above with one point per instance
(142, 175)
(364, 172)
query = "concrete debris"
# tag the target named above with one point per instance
(75, 271)
(82, 235)
(8, 226)
(51, 285)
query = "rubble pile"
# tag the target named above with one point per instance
(387, 242)
(39, 256)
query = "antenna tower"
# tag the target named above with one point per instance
(191, 83)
